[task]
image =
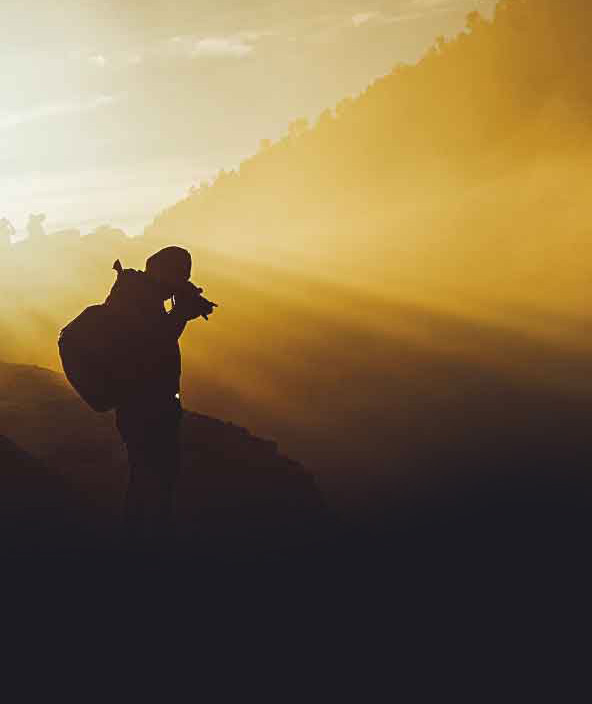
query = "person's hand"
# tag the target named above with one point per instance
(191, 304)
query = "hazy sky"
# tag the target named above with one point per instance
(111, 109)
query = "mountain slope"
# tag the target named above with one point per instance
(467, 171)
(233, 484)
(38, 507)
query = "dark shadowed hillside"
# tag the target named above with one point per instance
(26, 482)
(234, 486)
(39, 508)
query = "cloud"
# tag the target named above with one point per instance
(430, 3)
(417, 9)
(42, 112)
(189, 46)
(430, 6)
(221, 46)
(98, 60)
(235, 46)
(255, 36)
(364, 17)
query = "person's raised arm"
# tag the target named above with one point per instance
(176, 321)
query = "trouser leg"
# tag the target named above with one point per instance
(154, 460)
(150, 493)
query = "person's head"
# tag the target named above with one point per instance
(171, 268)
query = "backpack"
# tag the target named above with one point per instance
(84, 346)
(92, 351)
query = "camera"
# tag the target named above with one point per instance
(188, 300)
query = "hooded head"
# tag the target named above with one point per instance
(171, 268)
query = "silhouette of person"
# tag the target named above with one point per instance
(35, 226)
(7, 231)
(148, 417)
